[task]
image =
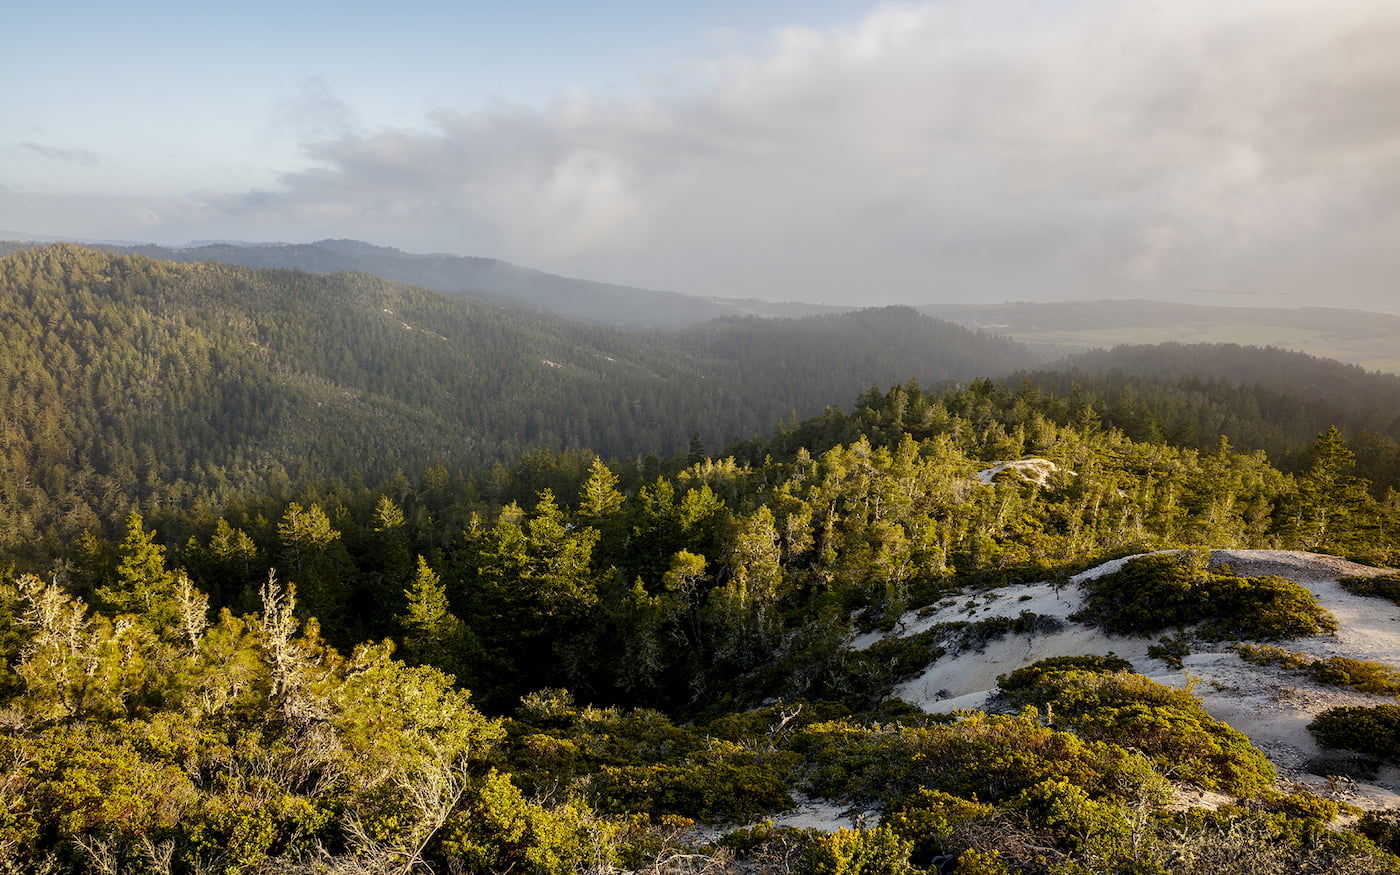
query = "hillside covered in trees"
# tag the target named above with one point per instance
(1260, 398)
(126, 379)
(553, 657)
(490, 279)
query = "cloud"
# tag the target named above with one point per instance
(314, 114)
(995, 148)
(81, 157)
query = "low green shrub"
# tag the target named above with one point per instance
(1075, 823)
(1308, 805)
(1339, 671)
(1166, 724)
(496, 829)
(990, 757)
(1239, 841)
(1162, 591)
(927, 819)
(878, 851)
(1029, 676)
(1370, 730)
(1385, 586)
(1382, 827)
(719, 792)
(1172, 649)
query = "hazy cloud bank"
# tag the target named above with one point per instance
(957, 150)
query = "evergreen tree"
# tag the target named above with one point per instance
(1332, 506)
(143, 587)
(432, 634)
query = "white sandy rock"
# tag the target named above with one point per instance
(1271, 705)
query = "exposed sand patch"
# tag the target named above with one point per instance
(1269, 704)
(1028, 470)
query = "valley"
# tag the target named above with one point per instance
(331, 574)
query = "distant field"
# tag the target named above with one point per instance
(1371, 340)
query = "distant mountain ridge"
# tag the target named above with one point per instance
(597, 303)
(1351, 336)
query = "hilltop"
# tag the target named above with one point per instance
(488, 279)
(1270, 704)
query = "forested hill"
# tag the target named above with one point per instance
(596, 303)
(1259, 398)
(127, 379)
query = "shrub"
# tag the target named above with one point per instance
(1031, 675)
(1165, 590)
(1267, 654)
(1374, 730)
(877, 851)
(927, 818)
(1075, 822)
(1338, 671)
(1233, 840)
(730, 792)
(1383, 828)
(975, 862)
(1168, 725)
(988, 756)
(497, 830)
(1363, 675)
(1308, 805)
(1172, 650)
(1385, 586)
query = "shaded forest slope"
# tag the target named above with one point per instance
(1258, 398)
(127, 379)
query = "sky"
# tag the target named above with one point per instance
(1240, 153)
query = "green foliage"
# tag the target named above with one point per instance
(1273, 400)
(928, 820)
(1382, 827)
(878, 851)
(975, 862)
(1082, 826)
(734, 790)
(1303, 804)
(140, 383)
(990, 757)
(1385, 586)
(432, 634)
(1165, 590)
(1028, 677)
(1171, 649)
(1371, 730)
(143, 586)
(1167, 724)
(497, 830)
(1339, 671)
(1230, 839)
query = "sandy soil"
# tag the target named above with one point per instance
(1271, 705)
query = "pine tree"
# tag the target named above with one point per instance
(144, 587)
(1331, 504)
(432, 634)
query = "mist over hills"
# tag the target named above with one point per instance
(1048, 328)
(130, 377)
(582, 300)
(1351, 336)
